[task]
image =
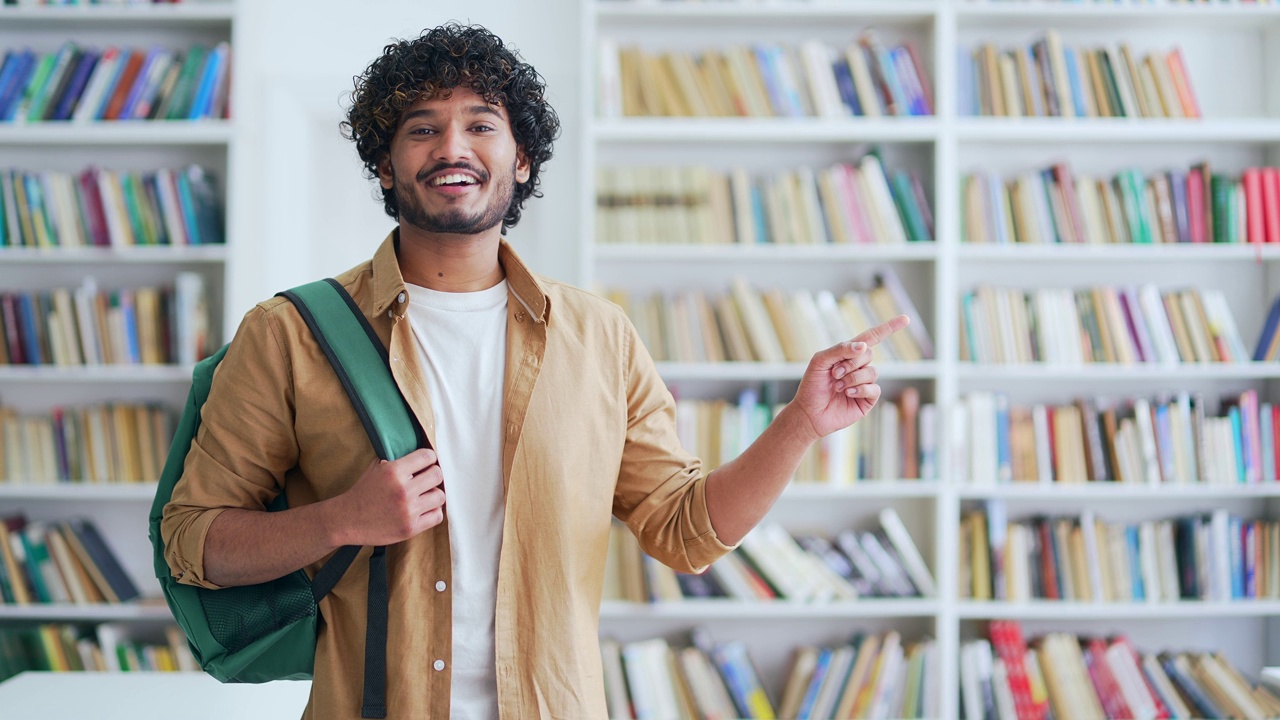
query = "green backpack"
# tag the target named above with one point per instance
(259, 633)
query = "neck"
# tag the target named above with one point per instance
(447, 262)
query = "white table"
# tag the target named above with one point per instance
(145, 696)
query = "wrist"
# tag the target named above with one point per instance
(796, 424)
(330, 516)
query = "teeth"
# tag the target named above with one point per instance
(453, 179)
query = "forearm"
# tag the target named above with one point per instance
(740, 492)
(247, 547)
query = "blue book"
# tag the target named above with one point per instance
(12, 59)
(129, 313)
(1268, 331)
(882, 66)
(966, 92)
(200, 106)
(30, 336)
(1073, 79)
(110, 89)
(815, 683)
(1237, 441)
(11, 97)
(1181, 217)
(844, 83)
(1133, 542)
(762, 224)
(139, 84)
(1249, 559)
(189, 210)
(906, 72)
(772, 83)
(790, 92)
(75, 86)
(1235, 550)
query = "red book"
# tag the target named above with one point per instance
(1196, 183)
(1162, 710)
(1253, 211)
(1104, 683)
(1011, 647)
(128, 75)
(1271, 203)
(95, 214)
(1048, 568)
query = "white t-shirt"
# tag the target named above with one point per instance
(462, 340)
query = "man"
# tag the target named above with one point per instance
(545, 410)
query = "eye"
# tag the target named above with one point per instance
(483, 128)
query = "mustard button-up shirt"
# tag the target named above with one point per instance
(588, 433)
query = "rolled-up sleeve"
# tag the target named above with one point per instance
(662, 492)
(244, 447)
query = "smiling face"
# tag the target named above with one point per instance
(453, 164)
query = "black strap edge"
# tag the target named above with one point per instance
(328, 576)
(374, 704)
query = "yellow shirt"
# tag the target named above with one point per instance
(589, 432)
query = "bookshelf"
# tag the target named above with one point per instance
(119, 510)
(1228, 49)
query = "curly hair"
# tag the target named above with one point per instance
(438, 60)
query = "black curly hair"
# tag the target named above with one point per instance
(438, 60)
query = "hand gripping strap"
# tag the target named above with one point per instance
(364, 370)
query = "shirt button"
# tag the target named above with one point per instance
(400, 298)
(438, 665)
(519, 316)
(440, 586)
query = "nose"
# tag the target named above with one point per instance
(452, 145)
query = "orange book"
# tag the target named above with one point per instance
(1182, 83)
(128, 75)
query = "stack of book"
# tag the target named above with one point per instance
(871, 676)
(1055, 205)
(59, 562)
(115, 443)
(847, 203)
(898, 441)
(1176, 439)
(774, 326)
(1088, 678)
(1124, 325)
(86, 326)
(812, 79)
(84, 84)
(107, 208)
(1049, 79)
(771, 564)
(103, 648)
(1213, 556)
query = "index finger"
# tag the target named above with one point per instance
(883, 330)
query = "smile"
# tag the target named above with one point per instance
(453, 179)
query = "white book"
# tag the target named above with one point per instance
(816, 58)
(1168, 561)
(1089, 528)
(743, 209)
(609, 79)
(1124, 668)
(907, 550)
(615, 682)
(1147, 438)
(929, 433)
(1044, 453)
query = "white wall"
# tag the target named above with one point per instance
(301, 209)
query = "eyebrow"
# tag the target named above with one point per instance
(429, 113)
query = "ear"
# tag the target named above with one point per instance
(386, 177)
(523, 168)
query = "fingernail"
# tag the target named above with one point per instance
(839, 386)
(851, 391)
(840, 372)
(859, 346)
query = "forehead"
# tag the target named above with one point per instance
(455, 101)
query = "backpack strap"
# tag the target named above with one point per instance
(364, 370)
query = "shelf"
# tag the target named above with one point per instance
(123, 256)
(1102, 372)
(723, 609)
(1089, 16)
(1155, 253)
(179, 14)
(1054, 610)
(770, 130)
(763, 372)
(881, 11)
(98, 374)
(118, 132)
(862, 489)
(62, 612)
(1110, 492)
(1055, 131)
(82, 492)
(720, 254)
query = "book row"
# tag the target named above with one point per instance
(1050, 79)
(1212, 556)
(871, 676)
(85, 84)
(108, 208)
(810, 79)
(1182, 438)
(857, 202)
(59, 562)
(1055, 205)
(106, 647)
(772, 564)
(1007, 677)
(1124, 325)
(86, 326)
(773, 325)
(113, 443)
(897, 441)
(1141, 2)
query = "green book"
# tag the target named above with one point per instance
(140, 236)
(1220, 191)
(63, 62)
(904, 198)
(36, 86)
(185, 90)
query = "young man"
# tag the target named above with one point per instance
(545, 410)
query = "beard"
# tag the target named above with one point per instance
(454, 220)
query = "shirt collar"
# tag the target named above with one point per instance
(388, 283)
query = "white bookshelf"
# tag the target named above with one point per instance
(1228, 49)
(120, 511)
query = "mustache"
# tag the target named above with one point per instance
(424, 174)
